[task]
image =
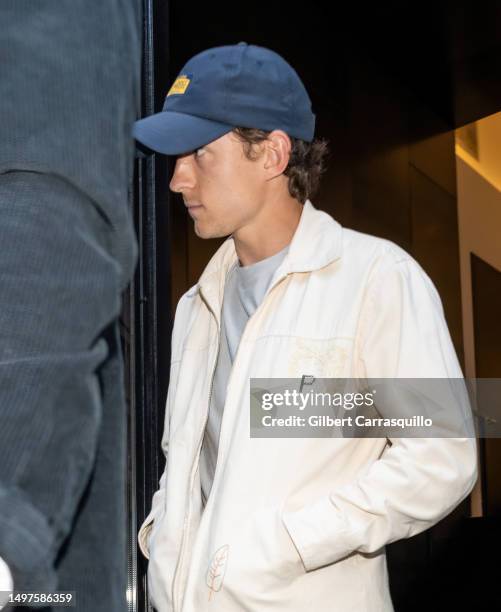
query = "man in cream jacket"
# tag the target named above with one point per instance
(287, 524)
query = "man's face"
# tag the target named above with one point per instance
(225, 187)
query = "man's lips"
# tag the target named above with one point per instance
(193, 208)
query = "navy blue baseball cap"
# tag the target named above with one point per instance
(226, 87)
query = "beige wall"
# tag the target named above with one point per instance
(479, 225)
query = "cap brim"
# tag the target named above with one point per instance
(174, 133)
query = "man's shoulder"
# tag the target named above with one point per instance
(371, 248)
(385, 262)
(381, 261)
(186, 301)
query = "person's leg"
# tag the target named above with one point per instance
(59, 296)
(93, 561)
(68, 97)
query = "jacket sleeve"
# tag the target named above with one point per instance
(158, 500)
(157, 505)
(416, 481)
(6, 582)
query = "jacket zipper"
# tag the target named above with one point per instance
(186, 517)
(199, 446)
(220, 447)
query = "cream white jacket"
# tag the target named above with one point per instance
(301, 524)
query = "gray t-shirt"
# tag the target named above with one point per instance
(245, 288)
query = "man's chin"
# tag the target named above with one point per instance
(200, 231)
(207, 233)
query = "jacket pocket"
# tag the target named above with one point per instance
(257, 562)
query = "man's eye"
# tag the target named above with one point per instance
(199, 152)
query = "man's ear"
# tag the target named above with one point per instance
(278, 149)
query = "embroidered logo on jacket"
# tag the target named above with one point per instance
(217, 569)
(326, 358)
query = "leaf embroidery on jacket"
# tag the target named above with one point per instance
(217, 569)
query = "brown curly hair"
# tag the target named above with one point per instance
(306, 162)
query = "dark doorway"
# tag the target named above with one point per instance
(389, 85)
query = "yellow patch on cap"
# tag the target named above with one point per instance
(180, 85)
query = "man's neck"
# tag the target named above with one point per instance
(268, 235)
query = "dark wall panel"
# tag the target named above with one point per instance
(389, 84)
(486, 286)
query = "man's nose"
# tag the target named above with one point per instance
(183, 177)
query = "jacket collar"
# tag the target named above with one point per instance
(316, 243)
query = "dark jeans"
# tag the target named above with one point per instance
(68, 96)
